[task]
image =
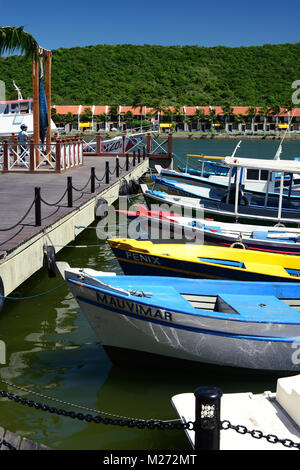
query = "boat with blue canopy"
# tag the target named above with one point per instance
(201, 321)
(237, 203)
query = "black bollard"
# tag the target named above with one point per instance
(207, 422)
(93, 178)
(107, 172)
(70, 191)
(117, 166)
(139, 155)
(127, 162)
(37, 202)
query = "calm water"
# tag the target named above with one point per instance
(52, 350)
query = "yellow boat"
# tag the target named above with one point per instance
(203, 261)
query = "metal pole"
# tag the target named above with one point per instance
(229, 184)
(70, 194)
(38, 212)
(237, 190)
(127, 162)
(207, 418)
(267, 190)
(280, 195)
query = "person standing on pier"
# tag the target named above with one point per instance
(23, 138)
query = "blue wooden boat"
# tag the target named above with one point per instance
(203, 321)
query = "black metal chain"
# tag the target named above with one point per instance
(139, 423)
(142, 423)
(256, 434)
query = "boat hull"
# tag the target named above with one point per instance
(211, 342)
(135, 262)
(223, 212)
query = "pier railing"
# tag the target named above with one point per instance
(58, 156)
(147, 143)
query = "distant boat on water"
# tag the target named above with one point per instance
(14, 113)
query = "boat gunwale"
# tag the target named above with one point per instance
(194, 312)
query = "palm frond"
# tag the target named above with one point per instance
(17, 40)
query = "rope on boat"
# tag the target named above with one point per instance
(33, 296)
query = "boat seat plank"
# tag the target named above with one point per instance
(264, 307)
(204, 298)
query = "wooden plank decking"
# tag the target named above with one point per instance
(17, 194)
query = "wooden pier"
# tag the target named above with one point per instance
(28, 225)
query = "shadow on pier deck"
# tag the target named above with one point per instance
(23, 240)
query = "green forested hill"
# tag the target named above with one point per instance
(164, 75)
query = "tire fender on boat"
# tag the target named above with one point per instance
(50, 261)
(2, 298)
(239, 245)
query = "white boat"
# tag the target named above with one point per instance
(14, 113)
(237, 204)
(254, 180)
(166, 225)
(204, 321)
(252, 421)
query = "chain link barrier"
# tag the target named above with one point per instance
(256, 434)
(117, 420)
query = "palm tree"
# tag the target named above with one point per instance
(139, 102)
(70, 119)
(227, 113)
(17, 40)
(211, 118)
(199, 116)
(102, 119)
(114, 113)
(129, 118)
(178, 114)
(158, 107)
(240, 119)
(251, 112)
(264, 111)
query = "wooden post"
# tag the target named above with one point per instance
(35, 107)
(14, 146)
(98, 149)
(32, 160)
(5, 157)
(58, 155)
(48, 99)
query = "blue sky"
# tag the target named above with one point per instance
(186, 22)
